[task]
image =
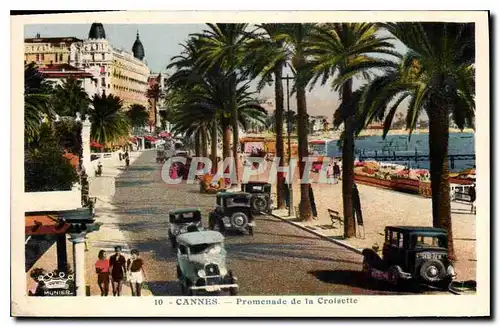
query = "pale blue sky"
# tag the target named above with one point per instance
(161, 43)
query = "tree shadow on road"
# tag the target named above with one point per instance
(279, 251)
(165, 288)
(359, 279)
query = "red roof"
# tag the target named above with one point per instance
(62, 71)
(95, 144)
(165, 134)
(317, 142)
(44, 225)
(149, 138)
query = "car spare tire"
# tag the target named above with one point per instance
(260, 203)
(239, 220)
(432, 271)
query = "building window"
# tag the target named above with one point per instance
(37, 57)
(109, 86)
(43, 57)
(60, 57)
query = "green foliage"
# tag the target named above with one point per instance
(138, 115)
(69, 135)
(37, 101)
(438, 67)
(109, 123)
(70, 98)
(45, 167)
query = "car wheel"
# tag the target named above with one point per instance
(239, 220)
(233, 291)
(250, 231)
(432, 271)
(259, 203)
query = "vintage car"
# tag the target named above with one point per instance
(232, 212)
(182, 221)
(417, 254)
(201, 264)
(261, 196)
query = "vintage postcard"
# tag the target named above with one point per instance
(251, 164)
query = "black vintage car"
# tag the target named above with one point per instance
(261, 196)
(183, 221)
(411, 253)
(232, 212)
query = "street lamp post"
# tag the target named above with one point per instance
(288, 129)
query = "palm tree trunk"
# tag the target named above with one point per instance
(305, 203)
(236, 138)
(204, 150)
(278, 91)
(348, 165)
(439, 123)
(154, 111)
(197, 144)
(214, 146)
(226, 141)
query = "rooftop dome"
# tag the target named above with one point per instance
(138, 49)
(97, 31)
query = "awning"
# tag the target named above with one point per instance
(95, 144)
(165, 134)
(149, 138)
(44, 225)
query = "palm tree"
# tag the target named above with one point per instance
(344, 50)
(109, 123)
(37, 104)
(224, 45)
(138, 115)
(437, 75)
(297, 36)
(154, 93)
(70, 98)
(270, 56)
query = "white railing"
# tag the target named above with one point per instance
(53, 200)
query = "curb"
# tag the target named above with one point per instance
(343, 244)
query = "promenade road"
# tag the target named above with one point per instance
(279, 259)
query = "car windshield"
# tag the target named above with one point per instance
(206, 248)
(420, 241)
(187, 217)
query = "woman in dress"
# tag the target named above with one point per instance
(102, 270)
(135, 268)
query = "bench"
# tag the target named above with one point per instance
(335, 218)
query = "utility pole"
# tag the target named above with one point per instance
(289, 129)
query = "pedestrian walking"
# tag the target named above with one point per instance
(135, 268)
(102, 270)
(127, 159)
(472, 195)
(330, 175)
(313, 203)
(336, 171)
(117, 267)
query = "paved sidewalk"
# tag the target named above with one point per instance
(383, 208)
(109, 235)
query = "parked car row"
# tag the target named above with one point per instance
(201, 256)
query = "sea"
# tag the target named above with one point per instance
(459, 143)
